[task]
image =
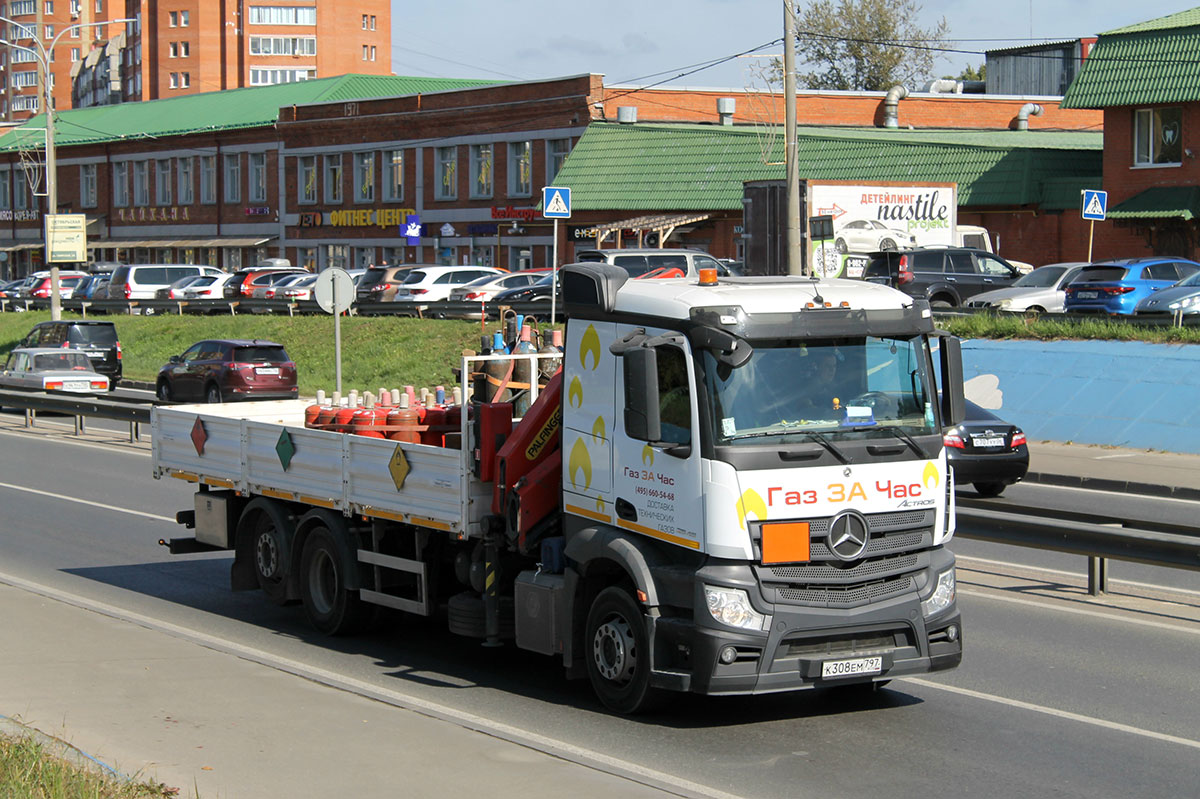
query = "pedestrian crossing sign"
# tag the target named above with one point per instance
(556, 202)
(1095, 204)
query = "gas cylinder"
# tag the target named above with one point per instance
(342, 420)
(435, 423)
(383, 398)
(313, 411)
(402, 422)
(367, 420)
(325, 418)
(548, 366)
(522, 372)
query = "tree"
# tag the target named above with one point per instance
(865, 45)
(971, 73)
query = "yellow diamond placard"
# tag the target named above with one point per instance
(398, 466)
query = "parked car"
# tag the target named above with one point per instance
(295, 290)
(141, 281)
(94, 338)
(637, 261)
(214, 289)
(10, 289)
(538, 292)
(485, 288)
(870, 235)
(1182, 298)
(39, 287)
(245, 281)
(379, 283)
(222, 370)
(265, 289)
(1041, 291)
(432, 283)
(1117, 286)
(946, 276)
(41, 369)
(175, 290)
(986, 451)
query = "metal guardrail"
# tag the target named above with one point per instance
(1132, 540)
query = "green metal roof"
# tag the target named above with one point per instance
(1152, 62)
(251, 107)
(1066, 194)
(690, 167)
(1160, 202)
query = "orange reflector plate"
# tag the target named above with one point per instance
(785, 542)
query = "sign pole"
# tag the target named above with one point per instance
(554, 279)
(556, 205)
(334, 291)
(1091, 233)
(337, 341)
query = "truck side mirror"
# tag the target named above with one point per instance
(642, 422)
(954, 403)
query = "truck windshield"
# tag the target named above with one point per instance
(839, 389)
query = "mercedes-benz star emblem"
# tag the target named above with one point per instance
(848, 535)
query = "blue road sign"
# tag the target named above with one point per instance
(556, 202)
(1095, 204)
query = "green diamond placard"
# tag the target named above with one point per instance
(285, 448)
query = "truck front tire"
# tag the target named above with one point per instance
(617, 650)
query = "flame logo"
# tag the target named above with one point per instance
(600, 504)
(589, 342)
(575, 393)
(580, 459)
(598, 430)
(647, 455)
(930, 476)
(750, 502)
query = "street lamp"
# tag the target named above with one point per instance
(42, 54)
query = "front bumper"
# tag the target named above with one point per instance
(790, 654)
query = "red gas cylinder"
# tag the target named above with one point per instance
(368, 421)
(402, 422)
(312, 413)
(435, 424)
(344, 418)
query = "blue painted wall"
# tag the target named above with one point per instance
(1126, 394)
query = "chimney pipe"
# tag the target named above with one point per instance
(1023, 115)
(627, 114)
(891, 103)
(725, 109)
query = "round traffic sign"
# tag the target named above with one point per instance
(334, 290)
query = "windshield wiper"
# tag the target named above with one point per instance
(907, 439)
(820, 438)
(828, 445)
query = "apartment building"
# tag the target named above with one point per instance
(169, 48)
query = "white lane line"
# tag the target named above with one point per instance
(1147, 497)
(967, 559)
(114, 508)
(552, 746)
(1056, 606)
(122, 447)
(1062, 714)
(1110, 457)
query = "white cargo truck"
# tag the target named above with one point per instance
(732, 486)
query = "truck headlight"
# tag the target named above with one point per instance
(942, 596)
(731, 606)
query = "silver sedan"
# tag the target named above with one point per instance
(52, 369)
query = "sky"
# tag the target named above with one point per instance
(648, 41)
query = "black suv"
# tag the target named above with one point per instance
(946, 276)
(97, 339)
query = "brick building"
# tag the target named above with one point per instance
(324, 172)
(177, 47)
(1146, 80)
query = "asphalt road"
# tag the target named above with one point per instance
(1059, 694)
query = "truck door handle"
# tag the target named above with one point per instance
(626, 510)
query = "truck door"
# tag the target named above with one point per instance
(657, 484)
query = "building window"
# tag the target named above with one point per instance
(162, 180)
(173, 19)
(258, 177)
(372, 52)
(187, 185)
(364, 21)
(185, 80)
(306, 179)
(393, 161)
(283, 45)
(5, 201)
(21, 8)
(233, 178)
(447, 173)
(333, 178)
(174, 80)
(208, 179)
(185, 49)
(271, 77)
(74, 54)
(365, 51)
(372, 22)
(184, 17)
(141, 183)
(49, 5)
(481, 170)
(20, 197)
(364, 177)
(283, 15)
(99, 6)
(557, 151)
(520, 173)
(49, 32)
(120, 177)
(1158, 136)
(173, 50)
(87, 185)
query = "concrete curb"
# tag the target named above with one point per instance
(1123, 486)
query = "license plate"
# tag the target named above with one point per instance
(1087, 295)
(851, 668)
(989, 442)
(266, 370)
(76, 385)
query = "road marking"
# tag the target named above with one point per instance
(112, 447)
(1065, 573)
(1049, 711)
(1147, 497)
(583, 756)
(1110, 457)
(28, 490)
(1110, 616)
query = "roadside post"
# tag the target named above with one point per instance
(334, 291)
(556, 205)
(1095, 209)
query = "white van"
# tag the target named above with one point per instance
(637, 261)
(140, 281)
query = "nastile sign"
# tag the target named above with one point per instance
(66, 238)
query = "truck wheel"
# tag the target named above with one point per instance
(329, 606)
(618, 654)
(271, 557)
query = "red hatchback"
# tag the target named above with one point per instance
(223, 370)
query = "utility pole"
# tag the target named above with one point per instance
(792, 235)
